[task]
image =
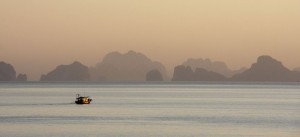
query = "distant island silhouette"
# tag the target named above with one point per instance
(214, 66)
(154, 75)
(73, 72)
(136, 67)
(185, 73)
(131, 66)
(267, 69)
(8, 73)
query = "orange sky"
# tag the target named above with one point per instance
(38, 35)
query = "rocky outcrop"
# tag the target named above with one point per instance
(7, 72)
(131, 66)
(185, 73)
(73, 72)
(154, 75)
(267, 69)
(213, 66)
(204, 75)
(21, 77)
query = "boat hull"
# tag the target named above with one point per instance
(81, 102)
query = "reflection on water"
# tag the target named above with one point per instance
(157, 110)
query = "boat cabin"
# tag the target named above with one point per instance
(82, 99)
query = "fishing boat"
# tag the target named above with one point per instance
(82, 99)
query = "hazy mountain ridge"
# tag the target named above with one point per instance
(185, 73)
(267, 69)
(131, 66)
(214, 66)
(73, 72)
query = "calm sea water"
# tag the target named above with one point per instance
(150, 110)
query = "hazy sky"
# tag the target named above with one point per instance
(38, 35)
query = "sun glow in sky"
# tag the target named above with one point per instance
(38, 35)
